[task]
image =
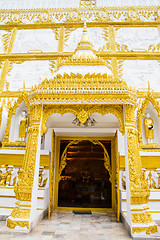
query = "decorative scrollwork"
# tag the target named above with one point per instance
(117, 110)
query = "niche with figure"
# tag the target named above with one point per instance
(150, 126)
(19, 124)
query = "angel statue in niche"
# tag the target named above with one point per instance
(149, 126)
(24, 122)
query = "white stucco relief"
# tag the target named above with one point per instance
(32, 72)
(138, 37)
(35, 39)
(95, 35)
(137, 73)
(74, 37)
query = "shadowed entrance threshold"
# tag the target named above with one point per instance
(82, 212)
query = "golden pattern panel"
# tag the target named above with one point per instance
(35, 112)
(130, 114)
(12, 224)
(138, 185)
(44, 16)
(141, 218)
(90, 83)
(149, 97)
(83, 112)
(20, 213)
(23, 190)
(148, 230)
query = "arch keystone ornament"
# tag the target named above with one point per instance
(82, 116)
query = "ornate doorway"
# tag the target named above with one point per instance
(85, 173)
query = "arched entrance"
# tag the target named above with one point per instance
(52, 120)
(85, 174)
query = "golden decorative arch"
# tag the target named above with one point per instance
(141, 112)
(82, 112)
(11, 111)
(63, 161)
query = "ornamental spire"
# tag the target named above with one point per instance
(84, 43)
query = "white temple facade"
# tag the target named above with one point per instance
(79, 111)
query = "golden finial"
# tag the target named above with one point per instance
(24, 85)
(85, 28)
(149, 88)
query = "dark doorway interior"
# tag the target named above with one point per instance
(85, 181)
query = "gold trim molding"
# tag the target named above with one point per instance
(82, 112)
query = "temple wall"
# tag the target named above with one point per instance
(136, 73)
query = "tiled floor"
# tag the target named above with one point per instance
(68, 226)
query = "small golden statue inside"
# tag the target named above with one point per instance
(149, 125)
(24, 122)
(5, 176)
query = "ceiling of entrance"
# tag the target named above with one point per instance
(65, 121)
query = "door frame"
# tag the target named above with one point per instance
(56, 169)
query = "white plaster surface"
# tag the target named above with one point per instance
(2, 32)
(35, 40)
(138, 38)
(74, 37)
(26, 4)
(95, 35)
(32, 72)
(137, 73)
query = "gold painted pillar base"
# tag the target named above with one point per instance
(19, 219)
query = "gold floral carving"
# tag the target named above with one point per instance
(87, 4)
(141, 218)
(105, 36)
(130, 114)
(138, 185)
(12, 224)
(151, 181)
(20, 213)
(148, 230)
(116, 109)
(82, 116)
(141, 113)
(154, 48)
(122, 48)
(100, 14)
